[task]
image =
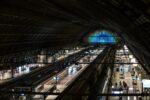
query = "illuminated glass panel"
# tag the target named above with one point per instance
(102, 37)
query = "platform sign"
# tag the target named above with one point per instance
(146, 83)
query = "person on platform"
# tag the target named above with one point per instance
(120, 86)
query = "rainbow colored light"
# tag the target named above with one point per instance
(102, 37)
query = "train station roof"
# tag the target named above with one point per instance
(31, 24)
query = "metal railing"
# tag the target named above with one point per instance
(99, 96)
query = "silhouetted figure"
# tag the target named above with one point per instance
(136, 77)
(120, 86)
(121, 69)
(116, 85)
(140, 98)
(127, 89)
(124, 84)
(120, 98)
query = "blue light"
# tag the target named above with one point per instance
(22, 94)
(102, 37)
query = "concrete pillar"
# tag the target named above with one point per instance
(12, 72)
(42, 58)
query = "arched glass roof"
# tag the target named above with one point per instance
(102, 37)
